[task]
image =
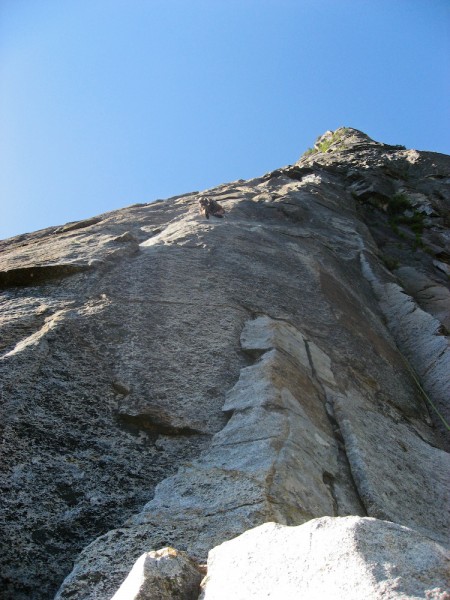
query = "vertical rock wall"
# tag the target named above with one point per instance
(169, 380)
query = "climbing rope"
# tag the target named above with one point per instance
(416, 379)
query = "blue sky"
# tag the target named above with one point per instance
(104, 103)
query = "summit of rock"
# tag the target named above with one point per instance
(344, 138)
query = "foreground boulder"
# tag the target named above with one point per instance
(349, 557)
(161, 575)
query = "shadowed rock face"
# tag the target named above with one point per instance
(169, 380)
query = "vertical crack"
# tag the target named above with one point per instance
(343, 463)
(328, 480)
(311, 362)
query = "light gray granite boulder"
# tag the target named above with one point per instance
(346, 557)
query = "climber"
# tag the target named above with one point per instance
(208, 206)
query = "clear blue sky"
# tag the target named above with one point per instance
(104, 103)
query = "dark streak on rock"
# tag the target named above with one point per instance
(29, 276)
(152, 424)
(328, 480)
(78, 225)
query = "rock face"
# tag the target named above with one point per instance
(346, 557)
(169, 380)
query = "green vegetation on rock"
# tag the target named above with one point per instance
(398, 208)
(390, 263)
(323, 146)
(398, 203)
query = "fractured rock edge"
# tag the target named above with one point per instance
(252, 472)
(418, 335)
(276, 459)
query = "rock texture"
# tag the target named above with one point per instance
(349, 557)
(169, 380)
(162, 575)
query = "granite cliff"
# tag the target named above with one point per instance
(174, 381)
